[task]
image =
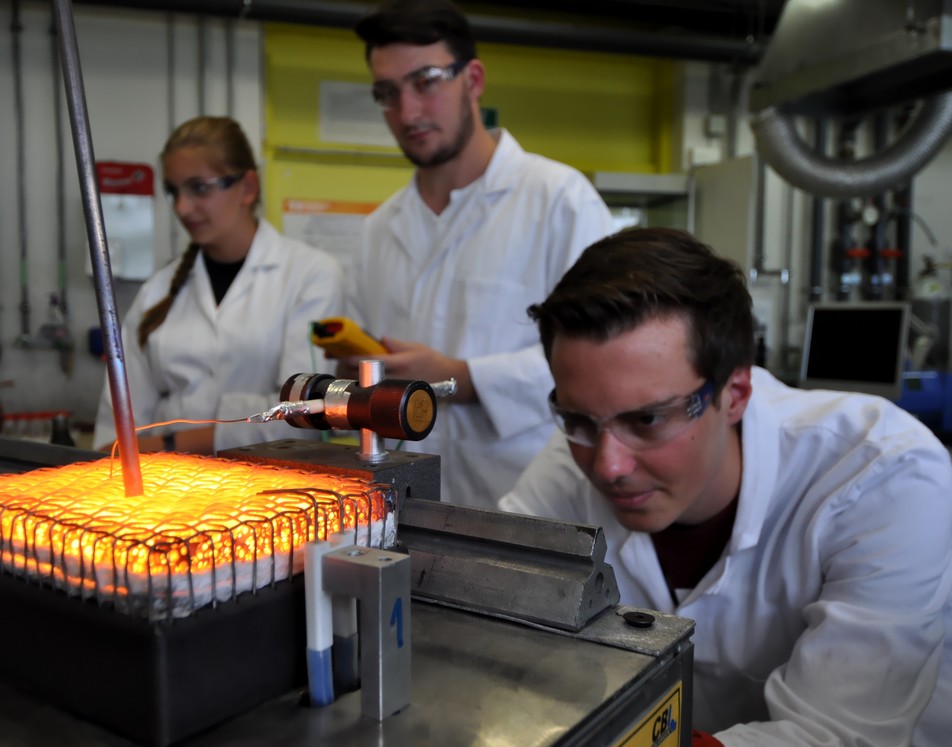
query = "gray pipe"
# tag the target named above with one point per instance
(98, 251)
(503, 30)
(817, 220)
(16, 28)
(779, 143)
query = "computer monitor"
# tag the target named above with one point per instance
(856, 347)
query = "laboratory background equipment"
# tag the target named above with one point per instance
(856, 347)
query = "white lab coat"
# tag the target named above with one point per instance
(501, 245)
(229, 361)
(823, 622)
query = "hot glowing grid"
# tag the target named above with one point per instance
(204, 529)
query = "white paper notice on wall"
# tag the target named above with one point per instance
(127, 192)
(331, 225)
(348, 114)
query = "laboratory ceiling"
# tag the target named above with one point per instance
(732, 31)
(731, 19)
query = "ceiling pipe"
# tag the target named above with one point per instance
(497, 29)
(779, 143)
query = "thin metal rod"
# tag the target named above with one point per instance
(98, 251)
(370, 373)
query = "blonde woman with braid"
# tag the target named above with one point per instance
(213, 335)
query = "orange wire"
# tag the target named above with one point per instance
(115, 444)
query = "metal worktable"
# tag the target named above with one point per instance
(476, 681)
(477, 677)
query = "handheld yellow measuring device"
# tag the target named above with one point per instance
(343, 337)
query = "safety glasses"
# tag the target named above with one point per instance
(647, 428)
(198, 189)
(425, 82)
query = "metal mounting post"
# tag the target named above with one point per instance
(380, 580)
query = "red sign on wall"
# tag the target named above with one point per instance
(119, 178)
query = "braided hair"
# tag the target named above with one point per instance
(228, 150)
(155, 315)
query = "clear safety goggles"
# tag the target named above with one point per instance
(197, 189)
(425, 82)
(637, 429)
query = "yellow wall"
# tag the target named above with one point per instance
(597, 112)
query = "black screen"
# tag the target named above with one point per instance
(852, 344)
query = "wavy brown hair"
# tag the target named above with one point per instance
(228, 151)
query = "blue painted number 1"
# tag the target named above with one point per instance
(396, 618)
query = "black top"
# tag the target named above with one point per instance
(688, 551)
(221, 275)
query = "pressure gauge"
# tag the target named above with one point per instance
(870, 214)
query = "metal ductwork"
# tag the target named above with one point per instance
(845, 58)
(503, 29)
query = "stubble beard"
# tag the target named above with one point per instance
(453, 149)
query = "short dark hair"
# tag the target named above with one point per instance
(641, 274)
(420, 22)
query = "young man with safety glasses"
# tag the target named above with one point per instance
(808, 533)
(447, 266)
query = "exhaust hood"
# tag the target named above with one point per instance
(840, 56)
(843, 59)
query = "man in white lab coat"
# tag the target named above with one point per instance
(808, 533)
(447, 266)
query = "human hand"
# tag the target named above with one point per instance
(416, 361)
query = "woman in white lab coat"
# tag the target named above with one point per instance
(213, 335)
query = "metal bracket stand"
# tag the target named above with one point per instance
(380, 581)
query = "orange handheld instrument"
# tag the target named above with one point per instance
(342, 337)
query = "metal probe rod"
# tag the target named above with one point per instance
(370, 372)
(98, 250)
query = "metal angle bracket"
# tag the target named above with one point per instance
(540, 571)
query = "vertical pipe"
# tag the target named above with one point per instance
(842, 241)
(904, 218)
(760, 220)
(170, 73)
(202, 44)
(877, 235)
(16, 29)
(788, 241)
(817, 220)
(902, 201)
(230, 68)
(62, 272)
(98, 250)
(840, 262)
(734, 112)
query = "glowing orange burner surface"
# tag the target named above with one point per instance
(204, 529)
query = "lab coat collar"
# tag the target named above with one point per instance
(760, 450)
(498, 179)
(505, 166)
(264, 247)
(262, 255)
